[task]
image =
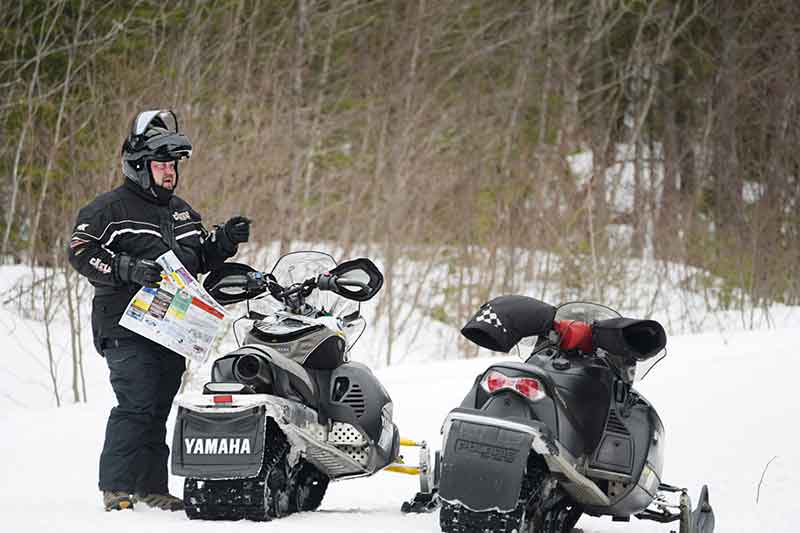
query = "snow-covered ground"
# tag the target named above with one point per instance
(726, 399)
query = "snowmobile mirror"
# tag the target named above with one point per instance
(229, 284)
(357, 280)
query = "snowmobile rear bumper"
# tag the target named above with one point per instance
(219, 445)
(207, 424)
(226, 441)
(484, 461)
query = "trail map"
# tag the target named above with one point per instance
(179, 314)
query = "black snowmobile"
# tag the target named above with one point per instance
(286, 412)
(535, 445)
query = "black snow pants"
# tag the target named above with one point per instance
(145, 377)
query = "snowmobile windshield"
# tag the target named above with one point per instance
(583, 311)
(297, 267)
(643, 368)
(590, 312)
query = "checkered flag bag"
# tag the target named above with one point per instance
(487, 314)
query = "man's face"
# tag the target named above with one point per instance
(163, 173)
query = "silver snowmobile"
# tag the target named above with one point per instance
(287, 412)
(535, 445)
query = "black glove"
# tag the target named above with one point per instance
(140, 271)
(237, 229)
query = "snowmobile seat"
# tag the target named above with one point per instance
(289, 377)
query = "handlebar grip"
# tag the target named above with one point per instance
(327, 282)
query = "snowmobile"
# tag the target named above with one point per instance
(286, 412)
(535, 445)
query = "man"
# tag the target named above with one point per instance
(116, 238)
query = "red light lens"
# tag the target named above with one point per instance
(531, 388)
(528, 387)
(496, 381)
(224, 398)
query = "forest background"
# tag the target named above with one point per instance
(501, 142)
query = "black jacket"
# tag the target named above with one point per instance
(130, 221)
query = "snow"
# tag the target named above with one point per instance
(726, 399)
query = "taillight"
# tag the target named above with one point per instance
(496, 381)
(223, 398)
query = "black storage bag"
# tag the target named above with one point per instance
(629, 338)
(502, 322)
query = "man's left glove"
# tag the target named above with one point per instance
(139, 271)
(237, 229)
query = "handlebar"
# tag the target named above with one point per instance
(257, 282)
(305, 288)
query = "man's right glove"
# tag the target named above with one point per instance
(232, 233)
(140, 271)
(237, 229)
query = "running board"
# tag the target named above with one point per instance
(331, 460)
(558, 458)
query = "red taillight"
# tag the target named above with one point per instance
(223, 398)
(496, 381)
(531, 388)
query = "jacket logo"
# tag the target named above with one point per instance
(99, 265)
(222, 446)
(183, 215)
(82, 227)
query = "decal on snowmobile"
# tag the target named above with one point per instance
(221, 446)
(487, 451)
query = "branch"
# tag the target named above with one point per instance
(758, 492)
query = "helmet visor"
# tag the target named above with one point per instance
(161, 119)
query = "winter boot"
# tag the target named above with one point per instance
(116, 501)
(165, 502)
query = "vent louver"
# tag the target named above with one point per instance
(614, 424)
(355, 399)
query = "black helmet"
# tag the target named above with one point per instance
(154, 136)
